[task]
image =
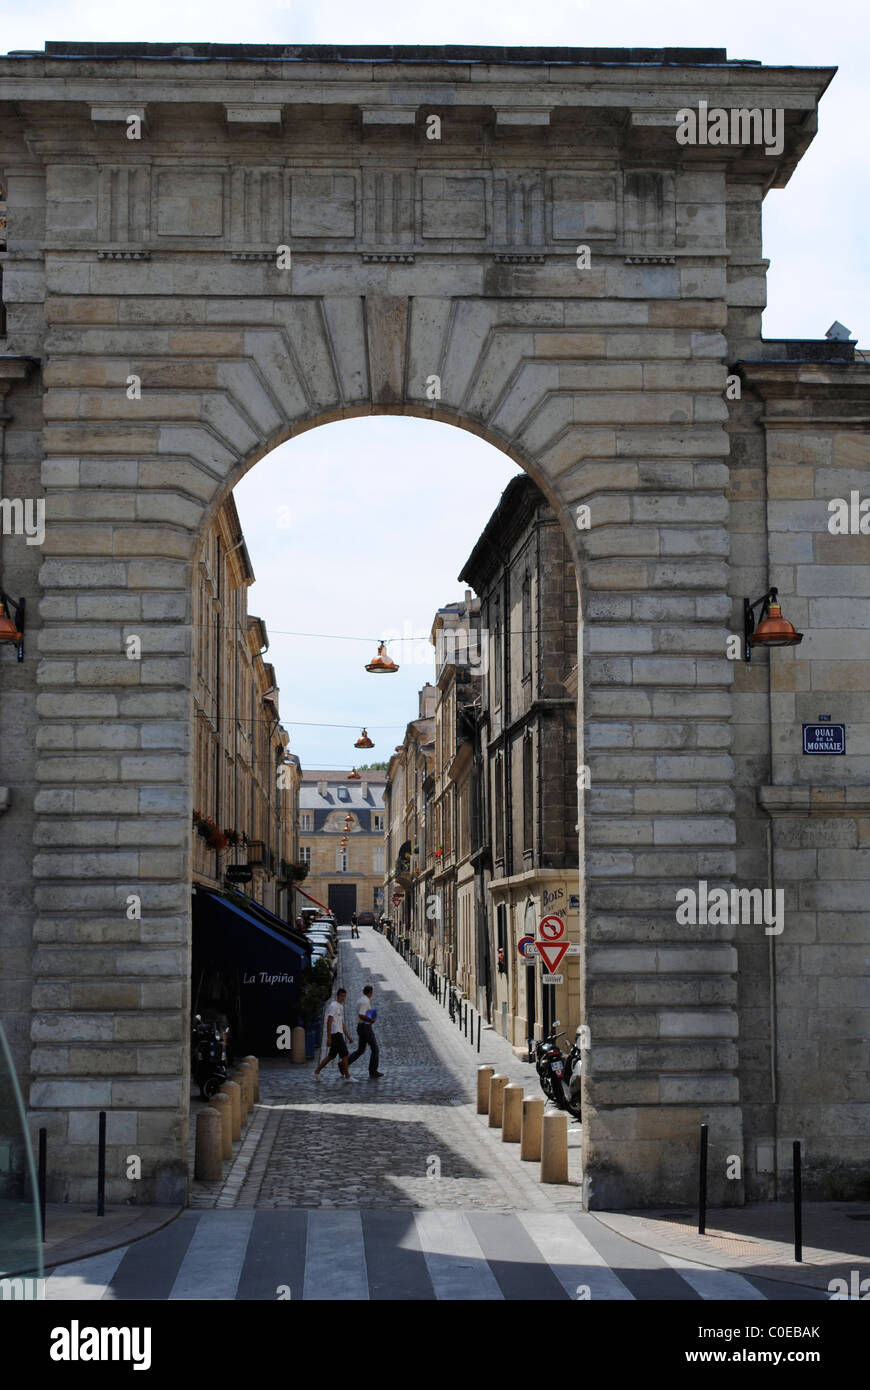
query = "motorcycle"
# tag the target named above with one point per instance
(208, 1057)
(559, 1075)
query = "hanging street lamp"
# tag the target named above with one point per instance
(382, 663)
(364, 741)
(353, 776)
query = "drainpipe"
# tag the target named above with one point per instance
(771, 966)
(217, 702)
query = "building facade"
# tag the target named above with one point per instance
(245, 780)
(347, 878)
(410, 837)
(526, 853)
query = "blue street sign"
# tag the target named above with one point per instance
(824, 738)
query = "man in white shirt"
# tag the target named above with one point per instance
(336, 1032)
(365, 1027)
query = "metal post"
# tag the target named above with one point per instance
(101, 1167)
(798, 1209)
(41, 1176)
(478, 1032)
(465, 1019)
(702, 1184)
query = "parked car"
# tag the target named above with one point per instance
(322, 929)
(324, 943)
(365, 919)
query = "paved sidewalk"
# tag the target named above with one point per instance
(759, 1239)
(76, 1232)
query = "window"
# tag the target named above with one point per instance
(527, 626)
(528, 793)
(377, 822)
(378, 860)
(501, 938)
(499, 807)
(341, 861)
(305, 820)
(343, 793)
(305, 855)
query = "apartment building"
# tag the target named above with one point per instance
(334, 807)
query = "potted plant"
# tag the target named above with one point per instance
(316, 989)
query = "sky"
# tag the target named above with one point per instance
(380, 513)
(359, 529)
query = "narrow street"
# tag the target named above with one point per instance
(393, 1189)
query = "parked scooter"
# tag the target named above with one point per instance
(559, 1074)
(208, 1056)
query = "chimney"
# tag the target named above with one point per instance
(321, 788)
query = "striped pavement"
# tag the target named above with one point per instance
(398, 1255)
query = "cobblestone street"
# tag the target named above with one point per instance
(410, 1139)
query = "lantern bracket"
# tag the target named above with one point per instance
(749, 623)
(19, 607)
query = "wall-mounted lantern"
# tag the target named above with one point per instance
(773, 629)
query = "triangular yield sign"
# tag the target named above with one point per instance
(551, 953)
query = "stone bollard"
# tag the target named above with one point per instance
(245, 1076)
(238, 1076)
(533, 1117)
(234, 1091)
(484, 1076)
(224, 1108)
(297, 1046)
(554, 1147)
(255, 1066)
(512, 1122)
(208, 1166)
(496, 1101)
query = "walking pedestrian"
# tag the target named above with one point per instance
(336, 1032)
(365, 1027)
(354, 925)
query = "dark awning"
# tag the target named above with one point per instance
(226, 924)
(262, 914)
(247, 970)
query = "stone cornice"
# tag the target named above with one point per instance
(801, 393)
(378, 81)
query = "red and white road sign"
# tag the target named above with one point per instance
(551, 949)
(397, 898)
(526, 947)
(551, 953)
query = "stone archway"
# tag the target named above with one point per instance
(436, 278)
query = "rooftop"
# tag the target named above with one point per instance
(390, 53)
